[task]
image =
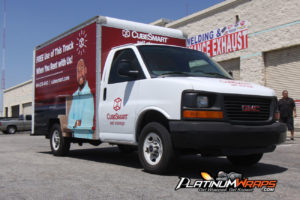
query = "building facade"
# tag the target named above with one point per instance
(17, 100)
(272, 57)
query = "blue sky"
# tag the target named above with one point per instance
(32, 22)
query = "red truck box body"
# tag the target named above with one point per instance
(56, 61)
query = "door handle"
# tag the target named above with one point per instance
(104, 94)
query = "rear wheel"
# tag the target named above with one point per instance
(60, 146)
(11, 129)
(155, 148)
(245, 160)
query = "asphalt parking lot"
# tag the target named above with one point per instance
(29, 171)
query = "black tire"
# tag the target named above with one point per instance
(147, 153)
(245, 160)
(11, 129)
(60, 146)
(126, 148)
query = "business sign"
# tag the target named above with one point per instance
(222, 40)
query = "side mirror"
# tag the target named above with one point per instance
(124, 69)
(230, 73)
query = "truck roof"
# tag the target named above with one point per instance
(122, 24)
(145, 44)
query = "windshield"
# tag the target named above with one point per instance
(176, 61)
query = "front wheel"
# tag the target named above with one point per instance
(155, 149)
(245, 160)
(60, 146)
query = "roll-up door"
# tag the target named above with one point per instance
(232, 65)
(283, 73)
(27, 108)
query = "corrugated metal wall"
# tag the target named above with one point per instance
(283, 73)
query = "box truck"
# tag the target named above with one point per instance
(136, 86)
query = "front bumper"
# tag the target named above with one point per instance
(226, 139)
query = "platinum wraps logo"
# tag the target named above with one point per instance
(231, 182)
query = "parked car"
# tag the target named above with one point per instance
(12, 125)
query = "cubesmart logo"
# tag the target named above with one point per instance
(117, 104)
(126, 33)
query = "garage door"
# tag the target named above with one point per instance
(232, 65)
(27, 108)
(283, 73)
(15, 111)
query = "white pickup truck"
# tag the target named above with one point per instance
(157, 98)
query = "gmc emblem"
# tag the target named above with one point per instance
(250, 108)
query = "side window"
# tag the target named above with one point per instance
(126, 54)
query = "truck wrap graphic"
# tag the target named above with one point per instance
(65, 76)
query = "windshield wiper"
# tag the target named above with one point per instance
(219, 75)
(174, 73)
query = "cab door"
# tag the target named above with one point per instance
(119, 93)
(27, 122)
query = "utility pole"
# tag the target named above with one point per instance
(3, 58)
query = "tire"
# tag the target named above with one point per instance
(60, 146)
(11, 129)
(126, 148)
(246, 160)
(155, 149)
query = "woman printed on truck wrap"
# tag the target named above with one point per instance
(81, 115)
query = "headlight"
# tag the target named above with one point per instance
(201, 105)
(202, 101)
(198, 100)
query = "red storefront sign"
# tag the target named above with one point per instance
(221, 41)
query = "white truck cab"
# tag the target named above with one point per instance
(187, 96)
(160, 99)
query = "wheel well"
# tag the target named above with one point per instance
(11, 126)
(150, 116)
(50, 124)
